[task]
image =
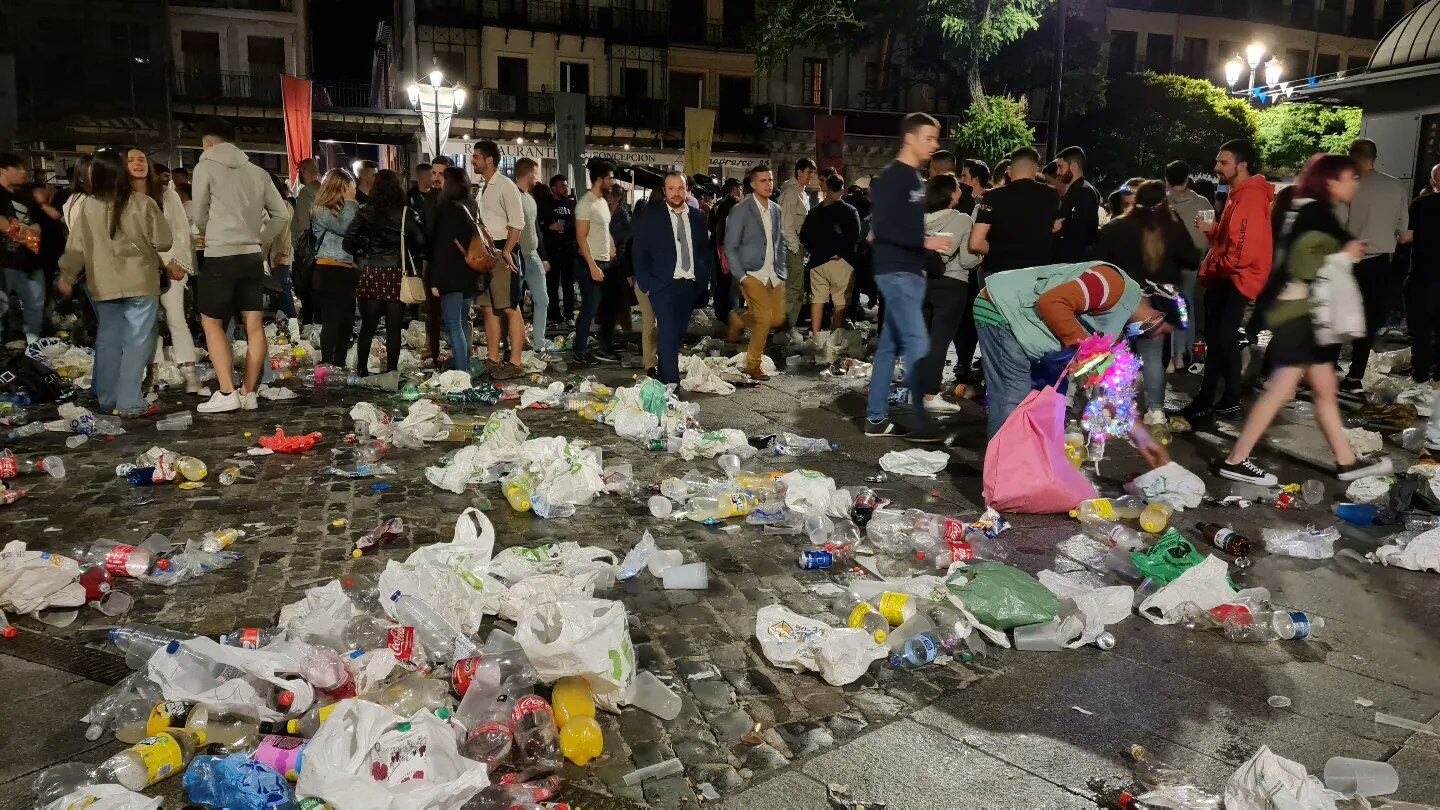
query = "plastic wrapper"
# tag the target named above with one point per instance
(33, 580)
(917, 462)
(282, 443)
(791, 641)
(1269, 780)
(588, 637)
(1307, 544)
(1171, 484)
(237, 782)
(105, 797)
(1421, 553)
(1206, 584)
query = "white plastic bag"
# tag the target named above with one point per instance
(180, 681)
(322, 613)
(924, 463)
(427, 422)
(542, 589)
(698, 375)
(448, 382)
(1171, 484)
(711, 443)
(105, 797)
(1422, 553)
(1204, 584)
(633, 423)
(361, 758)
(589, 637)
(1267, 781)
(811, 491)
(800, 644)
(568, 559)
(1096, 607)
(33, 580)
(549, 394)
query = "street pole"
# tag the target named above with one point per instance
(1052, 139)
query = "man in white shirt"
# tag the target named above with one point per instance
(503, 216)
(756, 253)
(1379, 216)
(592, 236)
(794, 206)
(673, 264)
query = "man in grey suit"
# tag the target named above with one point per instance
(755, 249)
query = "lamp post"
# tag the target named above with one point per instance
(437, 104)
(1254, 57)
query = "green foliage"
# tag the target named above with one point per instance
(1150, 119)
(994, 126)
(1025, 65)
(1290, 133)
(983, 27)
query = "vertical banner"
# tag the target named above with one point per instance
(830, 142)
(295, 95)
(699, 136)
(570, 138)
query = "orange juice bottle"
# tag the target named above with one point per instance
(580, 737)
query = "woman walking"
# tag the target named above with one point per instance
(334, 210)
(449, 278)
(179, 264)
(947, 289)
(116, 239)
(1308, 239)
(384, 236)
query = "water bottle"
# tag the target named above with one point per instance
(1124, 507)
(1114, 534)
(1365, 514)
(371, 451)
(638, 557)
(545, 508)
(249, 638)
(218, 540)
(889, 531)
(1271, 626)
(924, 648)
(790, 444)
(138, 642)
(441, 640)
(201, 664)
(537, 742)
(229, 475)
(153, 759)
(824, 558)
(412, 693)
(897, 607)
(861, 615)
(30, 429)
(365, 632)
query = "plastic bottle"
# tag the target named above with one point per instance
(1155, 517)
(139, 642)
(546, 509)
(862, 509)
(249, 638)
(1123, 508)
(285, 754)
(310, 722)
(822, 558)
(229, 475)
(11, 467)
(862, 615)
(537, 742)
(1224, 538)
(1365, 514)
(29, 429)
(518, 488)
(119, 559)
(137, 719)
(153, 759)
(722, 505)
(218, 540)
(1271, 626)
(382, 535)
(925, 648)
(1420, 522)
(896, 607)
(442, 640)
(365, 632)
(412, 693)
(490, 739)
(937, 526)
(941, 553)
(791, 444)
(574, 705)
(372, 451)
(638, 558)
(193, 469)
(1114, 534)
(1312, 491)
(200, 664)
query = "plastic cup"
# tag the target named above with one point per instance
(1052, 636)
(1360, 777)
(1312, 491)
(662, 560)
(1207, 215)
(661, 506)
(691, 577)
(651, 694)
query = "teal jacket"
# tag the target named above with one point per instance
(1014, 293)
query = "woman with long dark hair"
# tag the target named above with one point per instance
(335, 273)
(116, 239)
(385, 237)
(179, 263)
(1151, 244)
(946, 295)
(1309, 239)
(449, 278)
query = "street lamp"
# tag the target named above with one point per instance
(437, 104)
(1254, 53)
(1273, 69)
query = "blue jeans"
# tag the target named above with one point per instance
(124, 346)
(29, 287)
(455, 311)
(1152, 370)
(903, 333)
(1007, 373)
(539, 297)
(589, 305)
(285, 299)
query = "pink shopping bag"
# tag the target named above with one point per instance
(1025, 466)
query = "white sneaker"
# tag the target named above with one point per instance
(1155, 418)
(250, 401)
(940, 405)
(220, 403)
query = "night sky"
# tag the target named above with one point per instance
(342, 32)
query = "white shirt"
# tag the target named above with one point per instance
(681, 219)
(596, 211)
(500, 207)
(767, 270)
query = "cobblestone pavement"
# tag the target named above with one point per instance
(1011, 729)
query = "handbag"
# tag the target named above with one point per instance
(481, 255)
(412, 288)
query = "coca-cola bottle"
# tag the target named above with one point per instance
(537, 740)
(117, 558)
(491, 739)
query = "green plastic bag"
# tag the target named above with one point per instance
(1002, 597)
(1172, 556)
(654, 398)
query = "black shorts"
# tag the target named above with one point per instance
(1292, 343)
(230, 285)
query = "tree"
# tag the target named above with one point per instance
(1150, 119)
(982, 27)
(1290, 133)
(995, 126)
(1026, 65)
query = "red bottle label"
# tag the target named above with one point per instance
(9, 467)
(527, 705)
(463, 672)
(954, 530)
(401, 641)
(250, 638)
(960, 550)
(116, 558)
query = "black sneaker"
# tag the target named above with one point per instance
(1227, 411)
(926, 435)
(1352, 385)
(604, 355)
(886, 428)
(1192, 411)
(1362, 467)
(581, 359)
(1246, 472)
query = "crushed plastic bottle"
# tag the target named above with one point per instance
(545, 508)
(229, 476)
(1114, 534)
(382, 535)
(862, 615)
(249, 638)
(218, 540)
(153, 759)
(924, 648)
(441, 640)
(791, 444)
(638, 558)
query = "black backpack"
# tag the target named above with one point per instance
(20, 373)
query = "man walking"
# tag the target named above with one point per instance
(1233, 274)
(238, 211)
(672, 259)
(897, 225)
(503, 217)
(794, 205)
(1422, 291)
(22, 274)
(597, 250)
(755, 251)
(1079, 209)
(1379, 217)
(1190, 208)
(830, 234)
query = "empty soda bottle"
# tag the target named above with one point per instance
(218, 540)
(138, 642)
(12, 467)
(153, 759)
(249, 638)
(862, 615)
(537, 742)
(1124, 507)
(574, 706)
(119, 559)
(491, 740)
(862, 509)
(382, 535)
(191, 468)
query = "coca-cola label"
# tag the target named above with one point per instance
(462, 674)
(527, 705)
(954, 530)
(486, 729)
(249, 638)
(9, 467)
(960, 550)
(401, 641)
(117, 558)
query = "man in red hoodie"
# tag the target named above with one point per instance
(1234, 273)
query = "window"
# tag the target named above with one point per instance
(200, 51)
(1159, 52)
(267, 55)
(1297, 64)
(575, 77)
(635, 82)
(1122, 52)
(1327, 63)
(1196, 58)
(812, 83)
(734, 97)
(450, 61)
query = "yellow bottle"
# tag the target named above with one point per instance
(518, 489)
(1075, 452)
(581, 739)
(193, 469)
(1155, 517)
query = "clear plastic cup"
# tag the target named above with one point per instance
(651, 694)
(1312, 491)
(662, 560)
(691, 577)
(661, 506)
(1051, 636)
(1360, 777)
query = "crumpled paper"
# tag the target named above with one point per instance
(1422, 553)
(923, 463)
(1268, 780)
(1364, 442)
(1205, 584)
(800, 644)
(1096, 607)
(33, 580)
(1170, 484)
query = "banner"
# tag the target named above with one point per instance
(437, 107)
(295, 96)
(699, 136)
(830, 142)
(570, 138)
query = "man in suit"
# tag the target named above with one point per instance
(672, 258)
(755, 251)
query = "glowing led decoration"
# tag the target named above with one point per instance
(1109, 372)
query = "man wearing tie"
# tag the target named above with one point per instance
(672, 258)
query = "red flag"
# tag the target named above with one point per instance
(295, 96)
(830, 142)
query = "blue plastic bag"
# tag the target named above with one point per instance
(237, 782)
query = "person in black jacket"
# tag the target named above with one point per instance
(830, 233)
(384, 237)
(450, 279)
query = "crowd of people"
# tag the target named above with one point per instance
(1023, 260)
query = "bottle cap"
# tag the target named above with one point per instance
(293, 726)
(286, 699)
(173, 647)
(403, 728)
(442, 713)
(114, 633)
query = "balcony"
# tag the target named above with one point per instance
(857, 122)
(284, 6)
(538, 14)
(233, 87)
(635, 25)
(523, 107)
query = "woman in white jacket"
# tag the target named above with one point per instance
(947, 293)
(180, 258)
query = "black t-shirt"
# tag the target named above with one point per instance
(1080, 210)
(19, 205)
(1021, 216)
(557, 209)
(1425, 221)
